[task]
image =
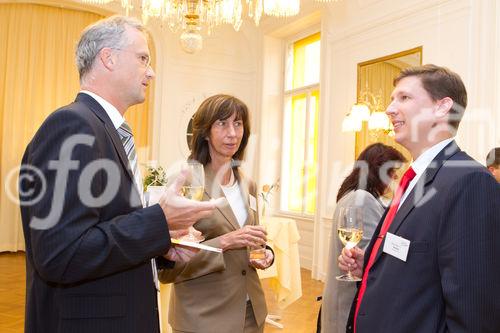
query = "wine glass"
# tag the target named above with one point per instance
(193, 189)
(350, 231)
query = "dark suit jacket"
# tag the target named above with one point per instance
(90, 272)
(450, 280)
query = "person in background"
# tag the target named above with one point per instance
(432, 264)
(88, 239)
(371, 178)
(221, 292)
(493, 162)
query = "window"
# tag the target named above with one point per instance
(300, 127)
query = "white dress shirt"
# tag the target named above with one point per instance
(235, 199)
(115, 116)
(422, 163)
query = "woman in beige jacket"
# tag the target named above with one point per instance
(221, 292)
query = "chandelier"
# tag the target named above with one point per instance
(369, 108)
(192, 16)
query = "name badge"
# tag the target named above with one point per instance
(396, 246)
(253, 203)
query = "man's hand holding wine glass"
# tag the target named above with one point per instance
(352, 260)
(180, 212)
(350, 232)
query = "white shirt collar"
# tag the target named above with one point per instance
(422, 162)
(115, 116)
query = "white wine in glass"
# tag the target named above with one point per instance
(350, 237)
(192, 192)
(193, 189)
(350, 231)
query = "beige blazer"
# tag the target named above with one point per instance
(209, 292)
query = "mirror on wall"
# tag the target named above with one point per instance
(375, 84)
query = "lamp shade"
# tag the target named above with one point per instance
(378, 121)
(350, 124)
(360, 112)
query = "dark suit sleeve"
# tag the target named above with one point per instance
(162, 263)
(79, 240)
(469, 254)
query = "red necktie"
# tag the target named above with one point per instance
(403, 185)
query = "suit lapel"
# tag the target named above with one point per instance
(421, 191)
(98, 110)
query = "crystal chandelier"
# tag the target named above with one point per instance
(192, 16)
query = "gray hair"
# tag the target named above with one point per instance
(107, 32)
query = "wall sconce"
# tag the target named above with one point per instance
(369, 109)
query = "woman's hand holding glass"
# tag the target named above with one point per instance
(265, 262)
(248, 236)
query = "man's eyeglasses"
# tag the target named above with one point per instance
(144, 59)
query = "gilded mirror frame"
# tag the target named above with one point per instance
(366, 137)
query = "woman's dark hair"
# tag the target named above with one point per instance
(217, 107)
(371, 159)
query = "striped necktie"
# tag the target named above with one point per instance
(127, 138)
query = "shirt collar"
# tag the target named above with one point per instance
(423, 161)
(115, 116)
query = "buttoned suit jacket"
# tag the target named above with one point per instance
(209, 292)
(449, 282)
(90, 271)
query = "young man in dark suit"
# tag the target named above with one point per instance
(433, 262)
(89, 240)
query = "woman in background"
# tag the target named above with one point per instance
(221, 292)
(363, 188)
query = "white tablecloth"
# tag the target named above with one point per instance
(283, 237)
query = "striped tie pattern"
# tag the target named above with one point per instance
(127, 138)
(125, 133)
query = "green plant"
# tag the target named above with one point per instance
(155, 176)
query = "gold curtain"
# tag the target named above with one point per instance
(377, 78)
(140, 120)
(37, 75)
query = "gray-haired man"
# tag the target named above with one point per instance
(88, 240)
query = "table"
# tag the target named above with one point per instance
(283, 237)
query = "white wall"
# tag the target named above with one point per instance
(229, 63)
